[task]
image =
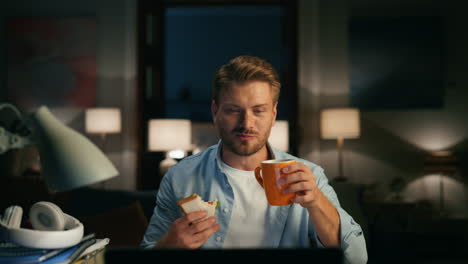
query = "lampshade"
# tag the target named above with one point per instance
(340, 123)
(279, 135)
(102, 120)
(68, 159)
(169, 134)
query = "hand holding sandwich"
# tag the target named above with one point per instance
(195, 228)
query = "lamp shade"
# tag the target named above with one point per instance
(68, 159)
(169, 134)
(279, 135)
(102, 120)
(340, 123)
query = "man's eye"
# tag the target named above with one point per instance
(259, 111)
(230, 110)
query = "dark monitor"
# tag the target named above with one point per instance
(138, 255)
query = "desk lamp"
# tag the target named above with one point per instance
(171, 135)
(68, 159)
(340, 123)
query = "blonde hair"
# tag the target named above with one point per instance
(243, 69)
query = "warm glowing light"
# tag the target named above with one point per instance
(177, 154)
(340, 123)
(279, 135)
(102, 120)
(169, 134)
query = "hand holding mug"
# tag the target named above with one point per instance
(301, 181)
(268, 176)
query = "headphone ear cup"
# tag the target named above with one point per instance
(46, 216)
(12, 216)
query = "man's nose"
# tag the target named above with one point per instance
(247, 120)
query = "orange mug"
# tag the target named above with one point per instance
(270, 171)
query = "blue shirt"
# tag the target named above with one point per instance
(288, 226)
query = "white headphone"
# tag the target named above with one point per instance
(52, 227)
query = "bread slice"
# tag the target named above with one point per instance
(194, 203)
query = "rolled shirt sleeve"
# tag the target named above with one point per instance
(352, 238)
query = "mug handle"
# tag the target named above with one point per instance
(258, 177)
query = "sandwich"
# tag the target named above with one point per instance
(194, 203)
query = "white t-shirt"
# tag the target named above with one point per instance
(246, 228)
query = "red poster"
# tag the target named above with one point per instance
(52, 62)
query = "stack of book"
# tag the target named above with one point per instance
(88, 248)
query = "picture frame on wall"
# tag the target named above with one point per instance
(51, 61)
(397, 63)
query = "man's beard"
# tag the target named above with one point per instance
(236, 146)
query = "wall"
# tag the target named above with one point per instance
(393, 143)
(116, 71)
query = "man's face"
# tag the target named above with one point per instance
(244, 116)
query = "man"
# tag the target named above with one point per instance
(244, 107)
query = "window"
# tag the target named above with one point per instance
(183, 43)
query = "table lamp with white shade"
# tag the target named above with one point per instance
(103, 121)
(174, 136)
(340, 124)
(279, 135)
(68, 159)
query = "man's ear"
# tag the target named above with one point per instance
(214, 110)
